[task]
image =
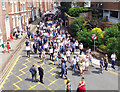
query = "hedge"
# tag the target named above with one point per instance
(74, 12)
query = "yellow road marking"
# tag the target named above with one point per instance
(52, 82)
(15, 84)
(9, 71)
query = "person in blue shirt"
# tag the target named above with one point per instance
(73, 47)
(101, 65)
(63, 68)
(32, 35)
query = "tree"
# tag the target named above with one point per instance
(76, 25)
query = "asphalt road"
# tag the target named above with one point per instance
(19, 77)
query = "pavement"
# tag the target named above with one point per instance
(15, 44)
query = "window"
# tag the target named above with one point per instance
(106, 11)
(17, 20)
(15, 7)
(24, 6)
(13, 20)
(12, 9)
(114, 14)
(3, 4)
(21, 7)
(23, 19)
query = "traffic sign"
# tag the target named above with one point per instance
(94, 37)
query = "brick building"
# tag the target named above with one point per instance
(111, 10)
(17, 13)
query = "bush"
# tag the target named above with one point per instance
(98, 32)
(85, 37)
(113, 46)
(111, 32)
(103, 47)
(74, 12)
(93, 24)
(76, 25)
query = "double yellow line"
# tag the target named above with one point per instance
(9, 69)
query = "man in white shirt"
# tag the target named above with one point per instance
(68, 55)
(81, 48)
(74, 62)
(113, 57)
(56, 58)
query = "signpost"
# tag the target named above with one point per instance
(94, 37)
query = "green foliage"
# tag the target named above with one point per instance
(113, 46)
(118, 26)
(74, 12)
(112, 39)
(65, 6)
(111, 32)
(86, 38)
(76, 25)
(103, 47)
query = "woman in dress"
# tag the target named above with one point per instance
(81, 67)
(81, 86)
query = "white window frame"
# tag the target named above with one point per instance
(3, 5)
(23, 19)
(24, 7)
(12, 7)
(13, 21)
(17, 20)
(15, 7)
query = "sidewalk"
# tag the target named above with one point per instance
(5, 57)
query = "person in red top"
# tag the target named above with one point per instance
(81, 86)
(8, 47)
(11, 36)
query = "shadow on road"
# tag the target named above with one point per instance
(28, 79)
(96, 72)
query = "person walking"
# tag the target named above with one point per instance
(113, 57)
(3, 46)
(56, 57)
(43, 56)
(27, 48)
(81, 86)
(68, 86)
(35, 46)
(101, 65)
(33, 72)
(63, 68)
(40, 51)
(90, 59)
(8, 47)
(77, 61)
(73, 63)
(41, 73)
(106, 62)
(81, 48)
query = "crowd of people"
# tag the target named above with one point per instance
(51, 39)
